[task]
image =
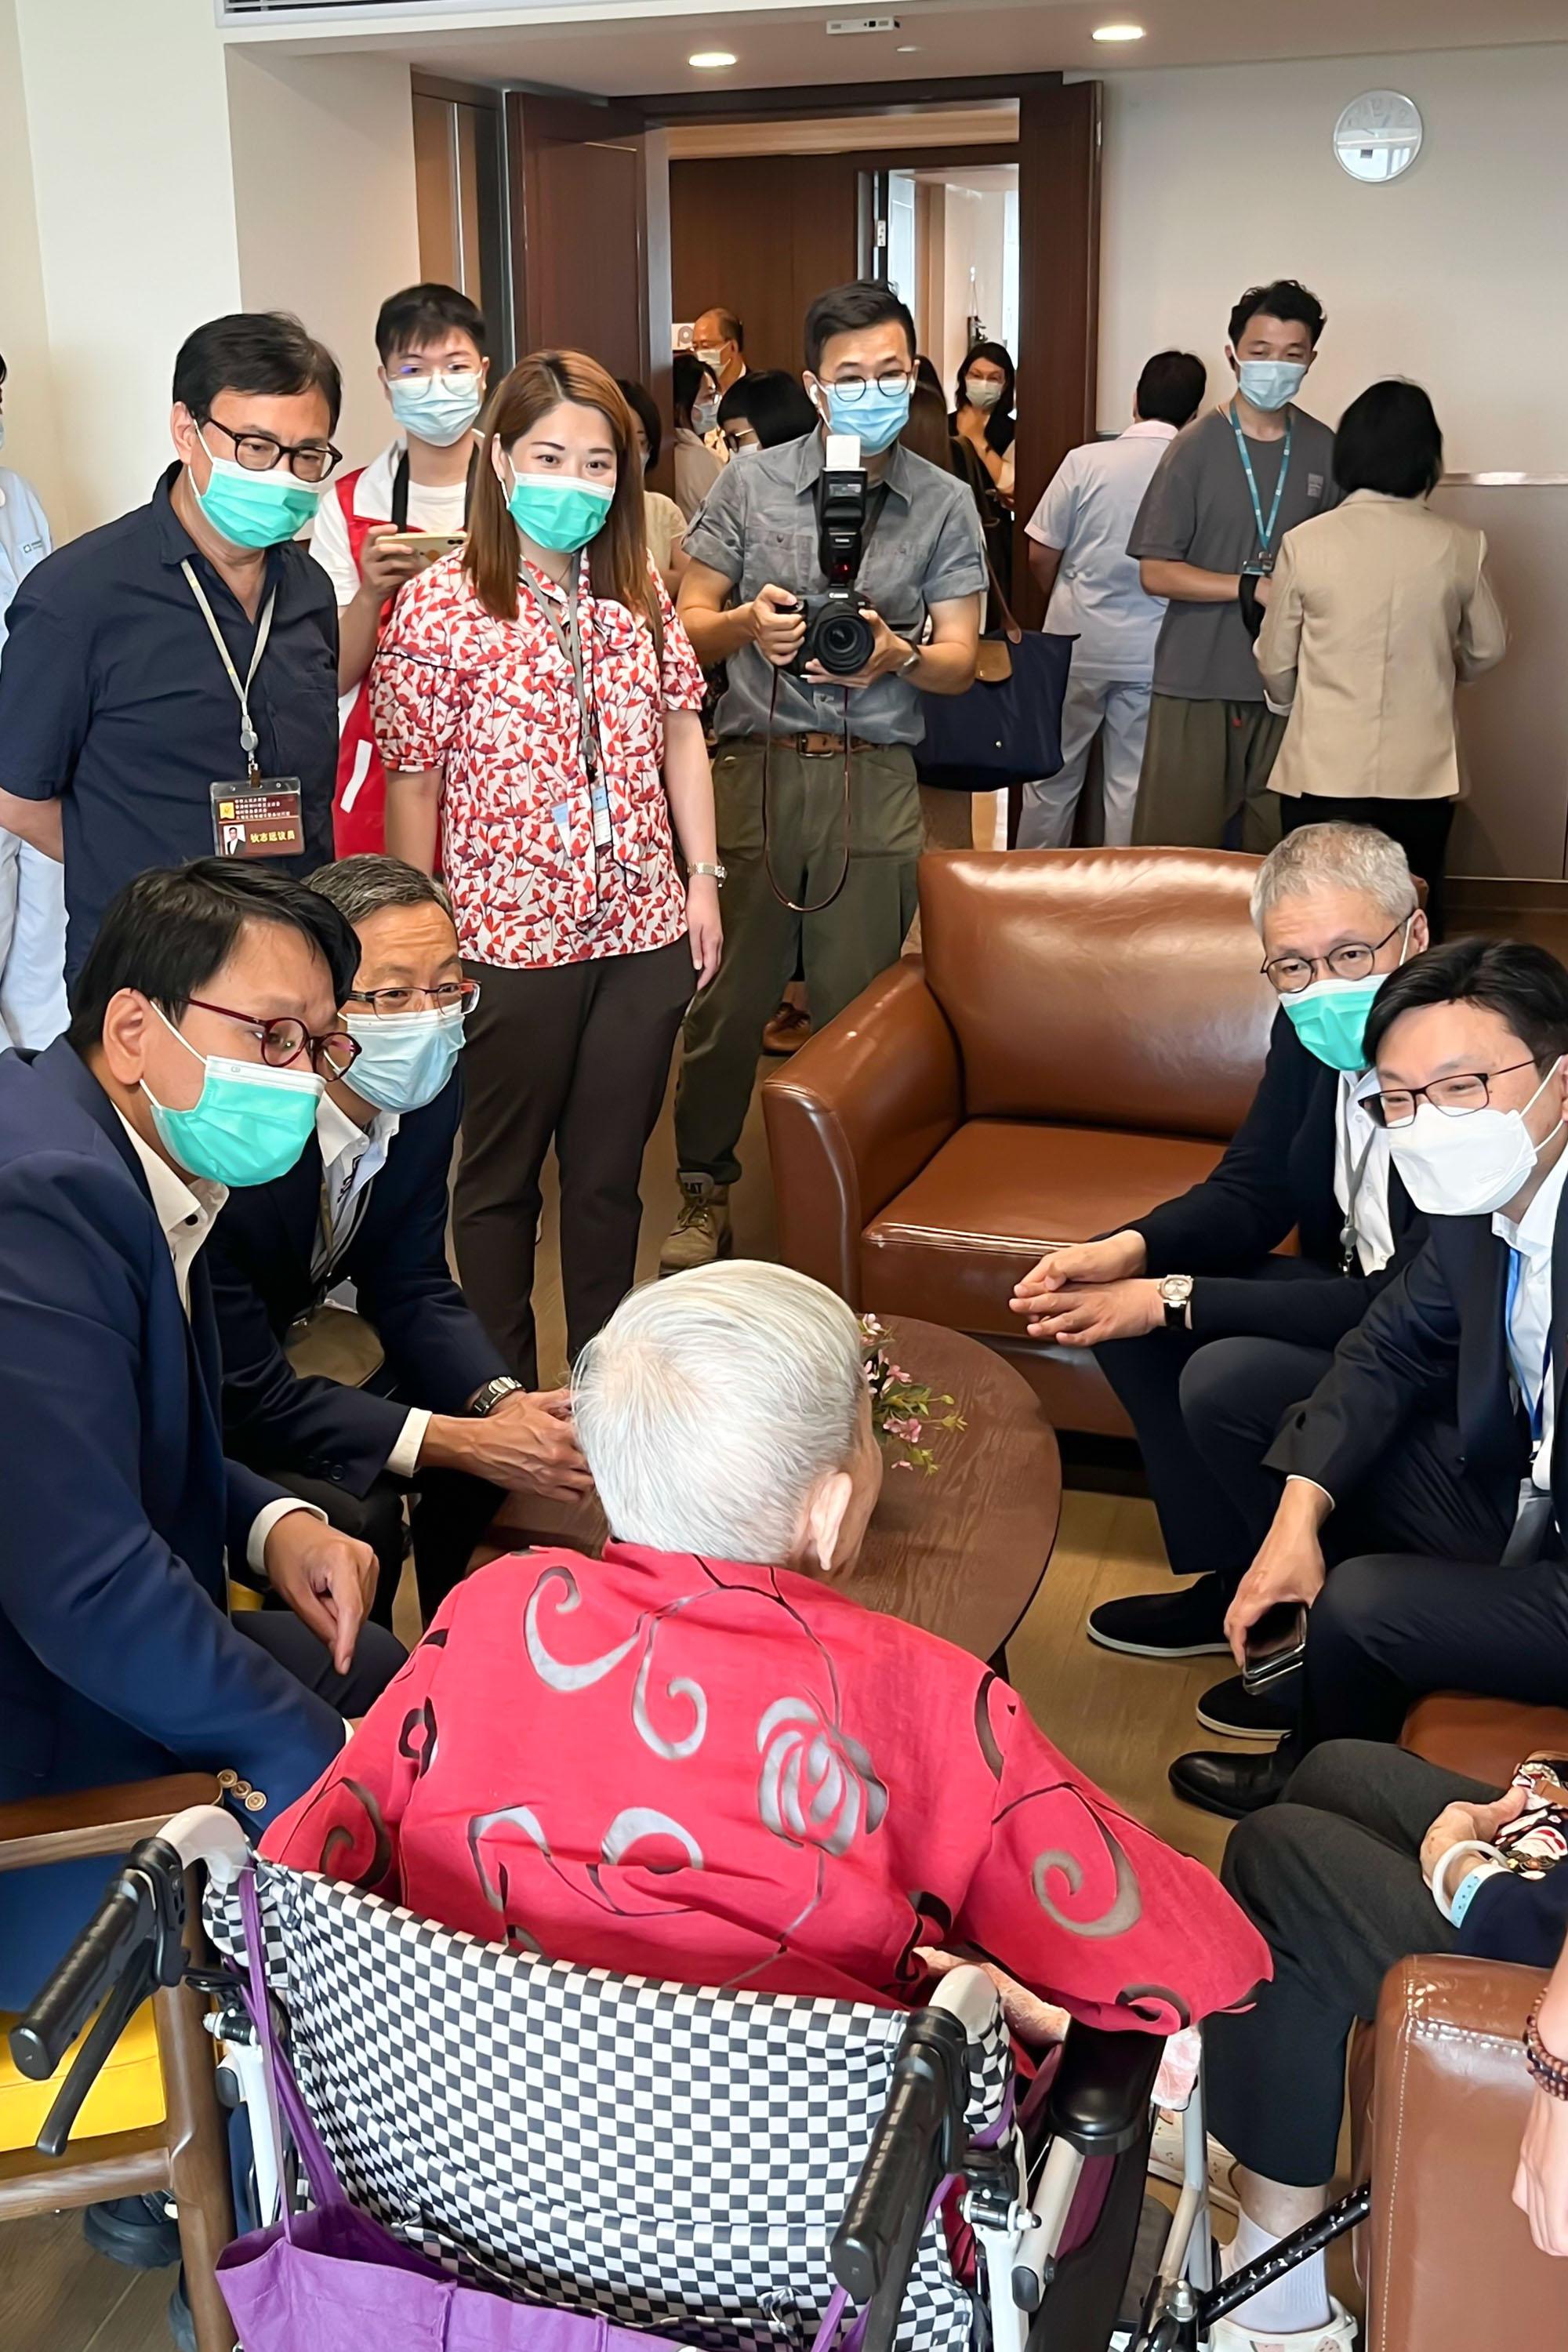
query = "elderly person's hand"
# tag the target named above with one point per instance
(1466, 1825)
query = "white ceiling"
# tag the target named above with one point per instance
(634, 47)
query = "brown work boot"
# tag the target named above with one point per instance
(702, 1229)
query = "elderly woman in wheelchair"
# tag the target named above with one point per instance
(699, 1763)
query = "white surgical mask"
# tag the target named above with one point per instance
(712, 358)
(979, 394)
(1469, 1166)
(1270, 383)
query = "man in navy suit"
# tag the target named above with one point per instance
(1205, 1334)
(367, 1204)
(203, 1017)
(1424, 1493)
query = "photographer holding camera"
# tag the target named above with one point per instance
(839, 578)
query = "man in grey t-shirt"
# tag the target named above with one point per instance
(1229, 488)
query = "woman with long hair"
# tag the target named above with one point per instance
(538, 709)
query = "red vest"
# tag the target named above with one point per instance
(359, 804)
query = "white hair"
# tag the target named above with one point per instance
(711, 1403)
(1335, 857)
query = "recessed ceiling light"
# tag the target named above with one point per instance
(711, 60)
(1118, 32)
(907, 49)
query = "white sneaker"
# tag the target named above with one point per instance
(1166, 2164)
(1339, 2335)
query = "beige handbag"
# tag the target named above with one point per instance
(333, 1343)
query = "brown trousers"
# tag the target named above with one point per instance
(577, 1055)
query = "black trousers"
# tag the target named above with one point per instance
(448, 1515)
(377, 1656)
(1196, 1405)
(577, 1055)
(1331, 1877)
(1420, 827)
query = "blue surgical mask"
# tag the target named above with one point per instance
(252, 509)
(250, 1123)
(1270, 383)
(557, 511)
(440, 408)
(1329, 1018)
(704, 416)
(405, 1059)
(875, 417)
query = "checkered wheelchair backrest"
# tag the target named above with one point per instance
(674, 2158)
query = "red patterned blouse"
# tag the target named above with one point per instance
(492, 706)
(723, 1775)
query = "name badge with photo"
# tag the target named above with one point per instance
(263, 818)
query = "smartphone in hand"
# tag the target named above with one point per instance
(1274, 1645)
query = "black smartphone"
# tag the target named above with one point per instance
(1275, 1644)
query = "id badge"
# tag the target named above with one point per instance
(1261, 565)
(601, 806)
(263, 818)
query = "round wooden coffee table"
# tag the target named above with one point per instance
(962, 1554)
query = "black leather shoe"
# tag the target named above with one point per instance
(1230, 1785)
(1188, 1623)
(1237, 1713)
(135, 2231)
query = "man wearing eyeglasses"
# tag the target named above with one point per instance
(1425, 1498)
(1205, 1331)
(170, 685)
(429, 1404)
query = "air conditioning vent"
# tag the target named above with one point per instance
(304, 12)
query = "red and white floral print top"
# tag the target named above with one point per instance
(492, 706)
(727, 1775)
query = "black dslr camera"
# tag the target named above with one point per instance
(838, 635)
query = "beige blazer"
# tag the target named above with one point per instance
(1374, 612)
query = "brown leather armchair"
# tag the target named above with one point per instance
(1083, 1037)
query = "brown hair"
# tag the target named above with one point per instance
(927, 432)
(617, 555)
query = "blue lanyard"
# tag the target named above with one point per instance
(1265, 529)
(1537, 1411)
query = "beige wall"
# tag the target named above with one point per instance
(324, 201)
(32, 425)
(1453, 275)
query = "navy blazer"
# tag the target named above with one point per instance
(436, 1350)
(1276, 1176)
(1434, 1342)
(117, 1657)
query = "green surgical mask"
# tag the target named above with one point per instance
(249, 1125)
(557, 511)
(1329, 1018)
(252, 509)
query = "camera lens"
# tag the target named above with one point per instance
(845, 644)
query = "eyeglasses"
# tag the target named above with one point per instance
(1288, 975)
(259, 453)
(416, 375)
(447, 996)
(855, 387)
(284, 1039)
(1454, 1098)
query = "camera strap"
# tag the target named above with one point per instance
(795, 905)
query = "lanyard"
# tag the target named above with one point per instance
(1265, 529)
(569, 637)
(247, 736)
(1354, 1173)
(1537, 1411)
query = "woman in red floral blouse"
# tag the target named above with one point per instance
(700, 1759)
(536, 703)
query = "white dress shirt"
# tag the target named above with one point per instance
(1361, 1175)
(186, 1209)
(1089, 511)
(1529, 1318)
(352, 1158)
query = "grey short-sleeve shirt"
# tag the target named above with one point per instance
(1198, 510)
(758, 524)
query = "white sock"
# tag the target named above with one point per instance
(1291, 2307)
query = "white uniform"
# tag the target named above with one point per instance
(32, 887)
(1089, 512)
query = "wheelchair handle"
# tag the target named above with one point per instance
(914, 2145)
(136, 1927)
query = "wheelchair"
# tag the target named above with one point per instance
(736, 2170)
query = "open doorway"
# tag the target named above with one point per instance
(947, 239)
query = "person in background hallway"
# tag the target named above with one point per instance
(1416, 1503)
(1193, 1313)
(665, 523)
(433, 370)
(1226, 491)
(763, 408)
(719, 340)
(694, 393)
(33, 1009)
(1374, 611)
(539, 707)
(368, 1206)
(982, 413)
(123, 696)
(1078, 552)
(819, 818)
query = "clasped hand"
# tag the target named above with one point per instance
(1090, 1291)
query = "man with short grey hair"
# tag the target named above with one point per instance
(1206, 1334)
(353, 1410)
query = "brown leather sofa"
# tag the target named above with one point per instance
(1083, 1037)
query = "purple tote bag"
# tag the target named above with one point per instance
(332, 2280)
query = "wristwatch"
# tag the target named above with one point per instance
(1176, 1290)
(490, 1395)
(721, 872)
(905, 667)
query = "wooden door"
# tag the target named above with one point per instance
(1059, 298)
(590, 240)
